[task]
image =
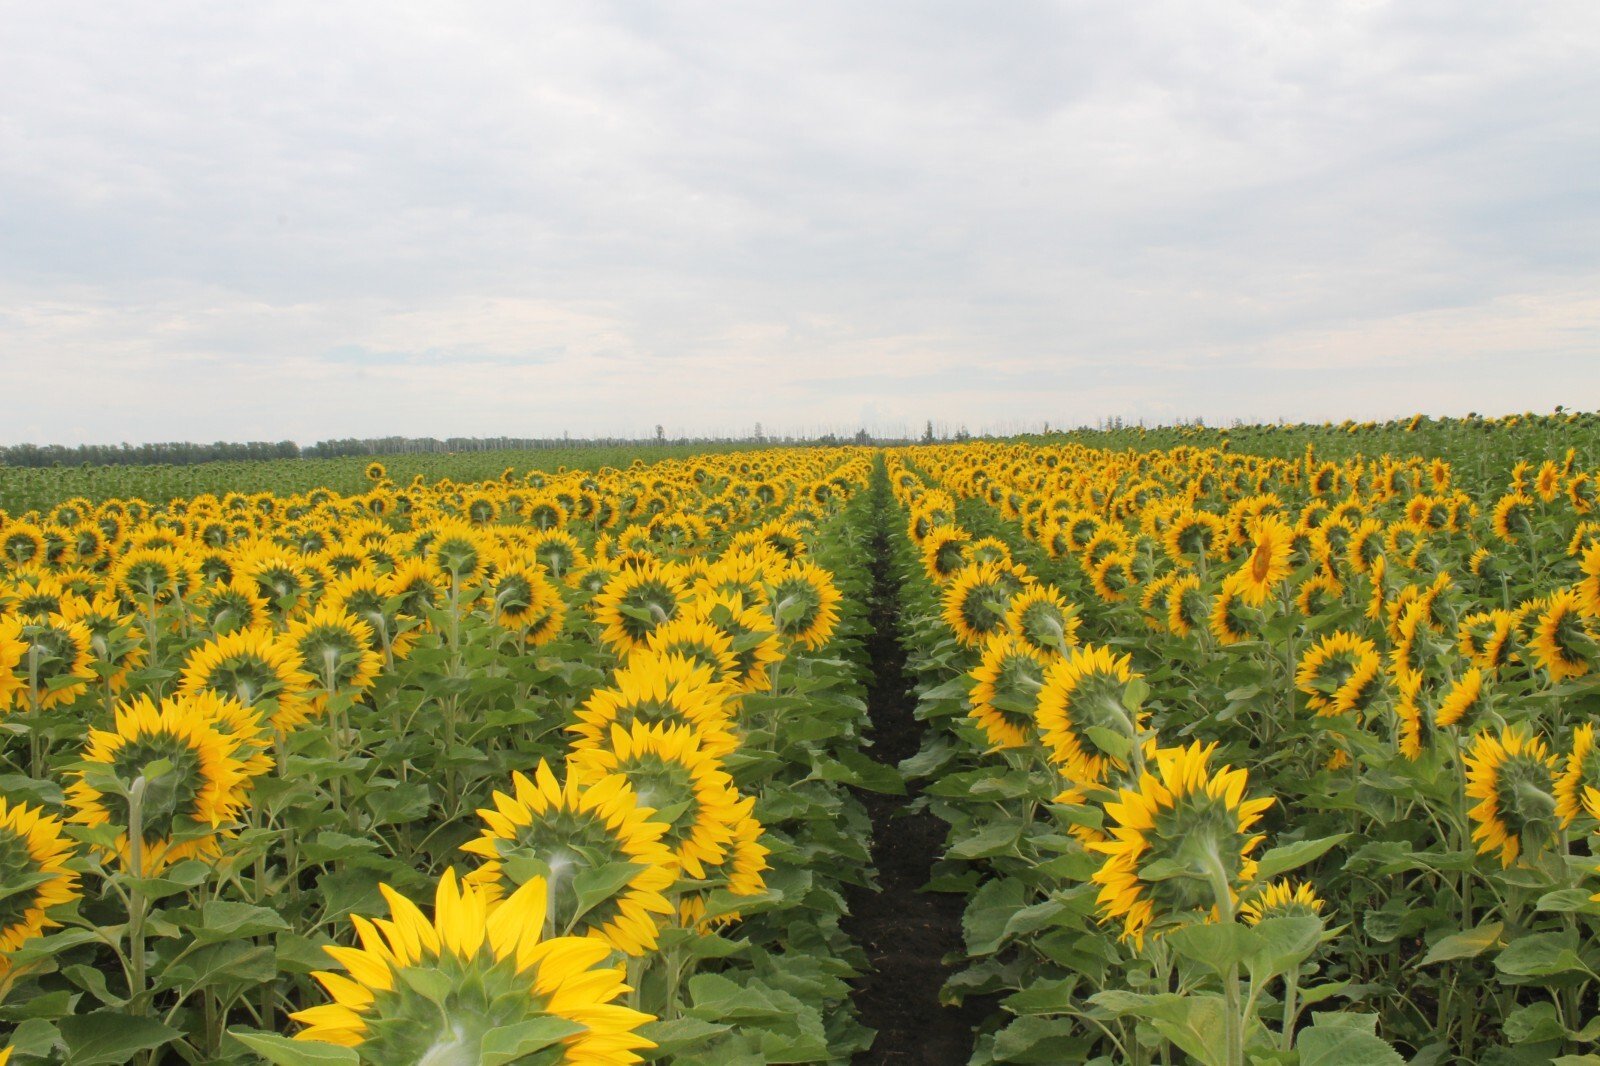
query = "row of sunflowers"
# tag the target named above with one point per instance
(1150, 665)
(505, 771)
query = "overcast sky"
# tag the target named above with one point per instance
(302, 220)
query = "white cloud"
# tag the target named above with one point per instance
(310, 220)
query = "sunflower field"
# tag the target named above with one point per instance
(1251, 747)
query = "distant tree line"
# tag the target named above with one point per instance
(184, 453)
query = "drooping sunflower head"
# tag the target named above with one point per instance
(1044, 620)
(1191, 536)
(1112, 576)
(656, 689)
(33, 866)
(671, 772)
(803, 604)
(1415, 724)
(1318, 593)
(431, 990)
(1282, 899)
(186, 805)
(1178, 841)
(568, 835)
(634, 603)
(1512, 776)
(1340, 674)
(1005, 690)
(1563, 644)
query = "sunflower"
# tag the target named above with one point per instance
(1460, 701)
(1485, 638)
(1365, 546)
(186, 808)
(804, 605)
(1340, 674)
(1228, 620)
(114, 642)
(521, 595)
(652, 688)
(944, 552)
(1513, 517)
(1282, 899)
(749, 629)
(1582, 773)
(692, 637)
(1188, 821)
(556, 832)
(1562, 644)
(671, 772)
(236, 604)
(280, 578)
(432, 990)
(1415, 725)
(1191, 536)
(1188, 608)
(977, 600)
(416, 582)
(558, 552)
(56, 661)
(335, 647)
(634, 603)
(1318, 593)
(1005, 690)
(1111, 576)
(33, 866)
(365, 595)
(252, 666)
(22, 543)
(1043, 619)
(1083, 694)
(1268, 563)
(1512, 776)
(1588, 589)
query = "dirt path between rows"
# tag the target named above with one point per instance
(905, 932)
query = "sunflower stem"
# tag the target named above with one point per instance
(1232, 1016)
(137, 904)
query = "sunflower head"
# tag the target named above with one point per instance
(634, 603)
(804, 605)
(977, 601)
(1178, 842)
(1484, 637)
(432, 990)
(34, 855)
(1083, 714)
(1582, 774)
(1512, 776)
(1563, 644)
(1340, 674)
(1282, 899)
(187, 775)
(570, 836)
(255, 667)
(652, 688)
(1267, 565)
(670, 772)
(1005, 690)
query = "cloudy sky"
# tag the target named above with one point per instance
(302, 220)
